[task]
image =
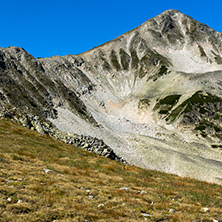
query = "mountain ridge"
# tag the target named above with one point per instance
(153, 94)
(166, 12)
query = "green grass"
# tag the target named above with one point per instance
(85, 187)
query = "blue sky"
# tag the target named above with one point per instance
(54, 27)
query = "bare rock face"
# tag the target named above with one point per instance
(154, 94)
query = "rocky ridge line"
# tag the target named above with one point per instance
(88, 143)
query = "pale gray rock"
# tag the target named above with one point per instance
(146, 215)
(48, 171)
(205, 209)
(152, 96)
(9, 199)
(172, 211)
(124, 188)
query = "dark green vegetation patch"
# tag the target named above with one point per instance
(197, 103)
(202, 52)
(216, 146)
(207, 128)
(114, 60)
(202, 112)
(162, 71)
(166, 104)
(125, 59)
(144, 103)
(135, 59)
(217, 58)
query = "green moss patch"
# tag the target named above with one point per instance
(166, 104)
(170, 100)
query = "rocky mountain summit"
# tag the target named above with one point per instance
(152, 95)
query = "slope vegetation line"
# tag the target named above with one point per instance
(42, 179)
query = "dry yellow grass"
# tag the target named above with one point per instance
(84, 187)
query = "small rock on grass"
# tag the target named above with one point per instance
(124, 188)
(205, 209)
(172, 211)
(145, 215)
(48, 171)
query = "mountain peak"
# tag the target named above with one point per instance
(171, 11)
(153, 95)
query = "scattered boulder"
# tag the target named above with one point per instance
(43, 126)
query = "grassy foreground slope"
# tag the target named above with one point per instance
(46, 180)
